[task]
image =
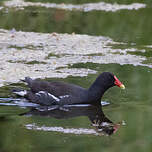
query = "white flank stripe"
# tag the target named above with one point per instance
(54, 97)
(64, 96)
(46, 93)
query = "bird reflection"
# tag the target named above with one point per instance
(101, 124)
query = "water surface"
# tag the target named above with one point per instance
(121, 44)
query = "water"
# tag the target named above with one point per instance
(121, 44)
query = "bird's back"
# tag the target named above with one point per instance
(56, 88)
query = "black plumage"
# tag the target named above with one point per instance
(53, 93)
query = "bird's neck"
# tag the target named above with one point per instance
(96, 91)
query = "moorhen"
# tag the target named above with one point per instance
(60, 93)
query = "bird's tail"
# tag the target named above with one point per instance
(27, 80)
(19, 92)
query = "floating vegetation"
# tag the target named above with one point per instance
(100, 6)
(41, 55)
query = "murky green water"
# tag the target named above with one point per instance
(124, 26)
(132, 105)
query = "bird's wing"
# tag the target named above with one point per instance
(55, 88)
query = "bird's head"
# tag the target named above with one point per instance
(108, 80)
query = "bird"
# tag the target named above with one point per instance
(60, 93)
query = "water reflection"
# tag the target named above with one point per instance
(102, 125)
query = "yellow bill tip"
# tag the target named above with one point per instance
(122, 86)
